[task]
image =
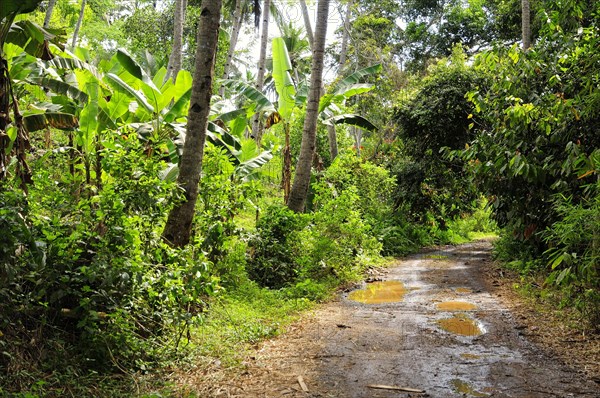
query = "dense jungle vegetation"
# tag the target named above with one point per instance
(171, 191)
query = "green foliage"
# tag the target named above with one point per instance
(339, 243)
(222, 197)
(94, 265)
(435, 117)
(537, 122)
(336, 241)
(272, 259)
(574, 253)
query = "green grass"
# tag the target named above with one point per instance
(243, 317)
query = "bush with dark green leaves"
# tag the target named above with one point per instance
(272, 260)
(85, 270)
(436, 116)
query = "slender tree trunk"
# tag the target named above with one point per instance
(78, 25)
(345, 35)
(333, 146)
(286, 177)
(235, 33)
(526, 24)
(262, 60)
(174, 65)
(49, 11)
(299, 192)
(357, 134)
(307, 26)
(179, 223)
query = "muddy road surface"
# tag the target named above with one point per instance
(425, 327)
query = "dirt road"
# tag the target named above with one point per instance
(429, 326)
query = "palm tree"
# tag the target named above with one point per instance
(174, 65)
(238, 17)
(301, 184)
(526, 24)
(307, 26)
(78, 25)
(49, 10)
(179, 223)
(345, 35)
(262, 61)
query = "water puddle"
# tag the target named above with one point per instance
(470, 356)
(463, 290)
(462, 325)
(462, 387)
(380, 293)
(456, 306)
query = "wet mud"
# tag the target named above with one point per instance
(437, 329)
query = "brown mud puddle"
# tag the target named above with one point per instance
(380, 293)
(344, 347)
(470, 356)
(462, 325)
(465, 388)
(456, 306)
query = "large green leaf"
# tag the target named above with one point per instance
(232, 115)
(8, 7)
(258, 99)
(33, 38)
(57, 120)
(248, 169)
(60, 87)
(131, 66)
(353, 120)
(179, 108)
(224, 136)
(118, 84)
(282, 66)
(355, 77)
(70, 64)
(118, 105)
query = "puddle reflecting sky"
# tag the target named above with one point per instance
(379, 293)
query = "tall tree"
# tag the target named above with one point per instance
(345, 35)
(262, 61)
(526, 24)
(179, 224)
(174, 65)
(238, 17)
(49, 10)
(307, 26)
(301, 184)
(78, 25)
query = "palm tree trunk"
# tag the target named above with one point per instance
(49, 11)
(235, 33)
(262, 60)
(301, 184)
(345, 35)
(333, 146)
(174, 65)
(179, 223)
(78, 25)
(526, 24)
(307, 26)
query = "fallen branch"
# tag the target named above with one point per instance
(302, 384)
(395, 388)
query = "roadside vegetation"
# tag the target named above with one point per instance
(133, 243)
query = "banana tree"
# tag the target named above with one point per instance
(329, 106)
(14, 134)
(282, 68)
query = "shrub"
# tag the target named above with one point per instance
(271, 260)
(339, 242)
